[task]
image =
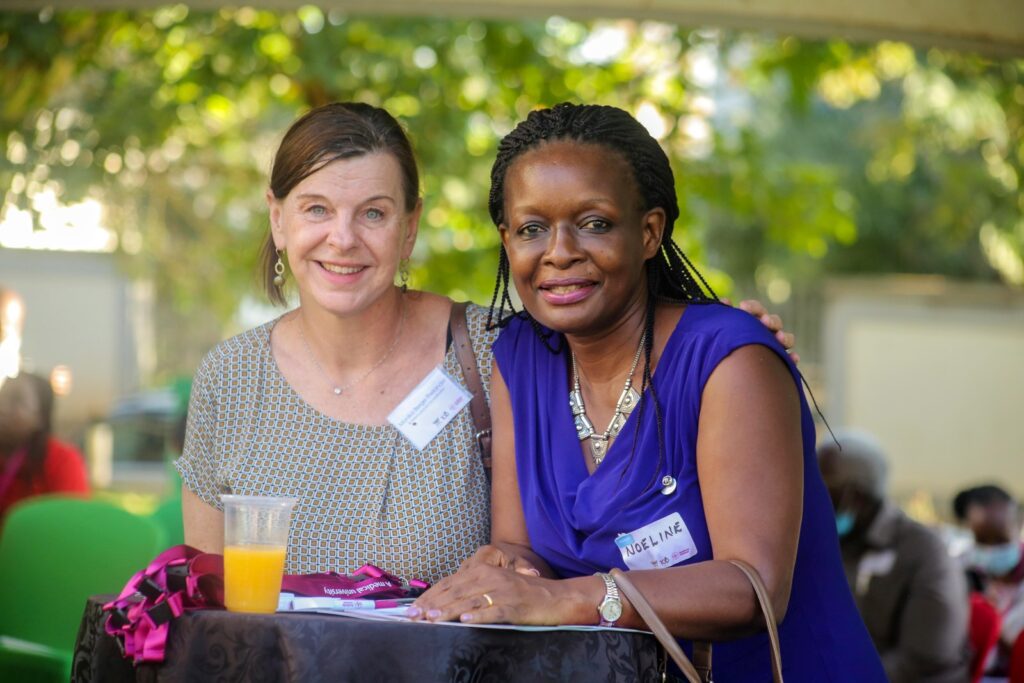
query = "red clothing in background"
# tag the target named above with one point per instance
(63, 471)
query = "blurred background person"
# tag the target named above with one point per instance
(12, 316)
(911, 594)
(32, 461)
(996, 562)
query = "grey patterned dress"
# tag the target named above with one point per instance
(365, 494)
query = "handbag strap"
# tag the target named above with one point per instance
(658, 628)
(699, 671)
(467, 360)
(769, 616)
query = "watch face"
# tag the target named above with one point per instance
(611, 610)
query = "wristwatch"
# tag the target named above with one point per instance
(610, 608)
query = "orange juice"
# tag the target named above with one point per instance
(252, 577)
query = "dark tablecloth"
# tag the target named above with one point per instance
(222, 646)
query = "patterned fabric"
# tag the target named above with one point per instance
(365, 494)
(318, 648)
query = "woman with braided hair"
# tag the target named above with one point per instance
(301, 406)
(640, 424)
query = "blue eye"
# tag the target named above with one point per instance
(317, 210)
(374, 214)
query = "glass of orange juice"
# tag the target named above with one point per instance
(255, 543)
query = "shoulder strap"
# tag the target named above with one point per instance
(467, 360)
(769, 616)
(700, 670)
(657, 627)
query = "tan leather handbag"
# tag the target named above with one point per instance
(699, 671)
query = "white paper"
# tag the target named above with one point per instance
(287, 603)
(389, 615)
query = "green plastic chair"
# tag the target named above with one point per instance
(168, 516)
(54, 553)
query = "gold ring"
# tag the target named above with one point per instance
(490, 603)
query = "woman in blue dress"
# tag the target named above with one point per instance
(639, 424)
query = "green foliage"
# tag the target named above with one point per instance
(800, 158)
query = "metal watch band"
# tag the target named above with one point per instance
(610, 609)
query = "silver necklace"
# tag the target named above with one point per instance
(628, 400)
(339, 390)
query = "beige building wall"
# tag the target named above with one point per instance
(936, 371)
(80, 312)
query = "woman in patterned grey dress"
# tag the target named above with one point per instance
(298, 406)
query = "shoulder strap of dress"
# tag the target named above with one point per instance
(467, 360)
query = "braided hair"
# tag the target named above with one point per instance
(670, 273)
(670, 276)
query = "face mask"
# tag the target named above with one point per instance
(996, 560)
(844, 523)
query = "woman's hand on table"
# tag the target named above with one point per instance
(482, 593)
(501, 555)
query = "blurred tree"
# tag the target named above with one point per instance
(792, 157)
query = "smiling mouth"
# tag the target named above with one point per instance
(341, 270)
(566, 289)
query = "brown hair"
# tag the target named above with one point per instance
(340, 130)
(37, 442)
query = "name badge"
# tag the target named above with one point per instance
(428, 408)
(659, 544)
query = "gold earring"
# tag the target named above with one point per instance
(279, 271)
(403, 274)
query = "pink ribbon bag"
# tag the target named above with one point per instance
(182, 579)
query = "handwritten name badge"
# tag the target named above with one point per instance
(428, 408)
(659, 544)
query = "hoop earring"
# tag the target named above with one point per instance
(403, 275)
(279, 271)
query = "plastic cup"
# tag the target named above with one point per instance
(255, 543)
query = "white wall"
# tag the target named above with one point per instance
(79, 313)
(935, 370)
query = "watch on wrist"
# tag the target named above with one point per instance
(610, 608)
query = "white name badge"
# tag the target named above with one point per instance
(428, 408)
(659, 544)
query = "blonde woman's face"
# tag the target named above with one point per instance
(345, 229)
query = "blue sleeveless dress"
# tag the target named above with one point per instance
(573, 518)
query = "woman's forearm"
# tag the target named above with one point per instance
(704, 601)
